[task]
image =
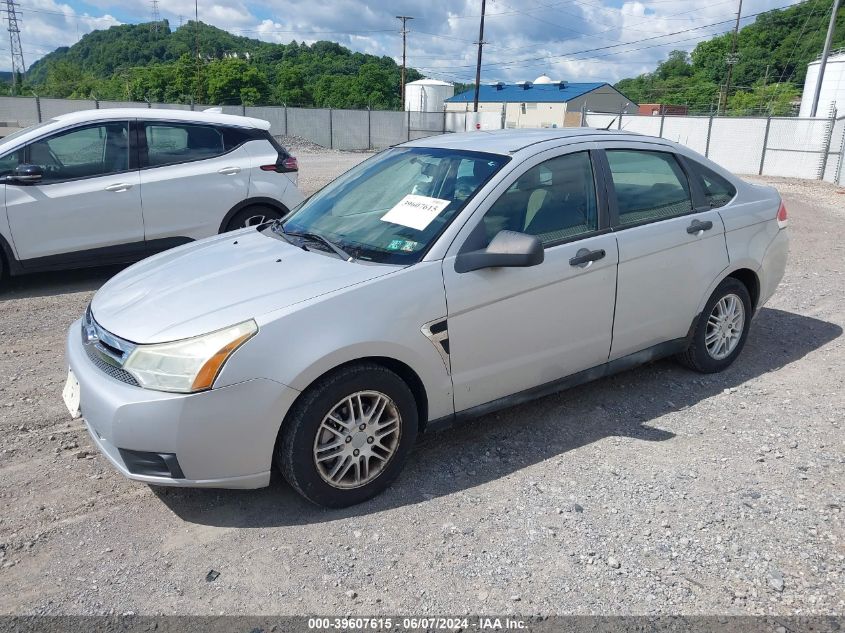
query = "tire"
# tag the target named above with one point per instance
(716, 357)
(308, 432)
(253, 215)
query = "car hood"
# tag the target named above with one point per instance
(218, 282)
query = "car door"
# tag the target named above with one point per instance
(670, 251)
(190, 179)
(512, 329)
(87, 205)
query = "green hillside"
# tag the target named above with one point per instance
(136, 62)
(773, 53)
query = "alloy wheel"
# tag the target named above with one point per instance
(356, 439)
(724, 326)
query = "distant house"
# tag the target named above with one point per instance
(543, 102)
(658, 109)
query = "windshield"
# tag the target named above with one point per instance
(391, 208)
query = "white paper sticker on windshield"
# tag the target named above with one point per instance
(415, 212)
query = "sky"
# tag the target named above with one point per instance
(572, 40)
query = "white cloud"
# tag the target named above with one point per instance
(577, 40)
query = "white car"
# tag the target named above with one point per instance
(439, 280)
(111, 186)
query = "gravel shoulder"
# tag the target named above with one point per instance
(657, 491)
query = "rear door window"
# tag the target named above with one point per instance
(649, 186)
(173, 143)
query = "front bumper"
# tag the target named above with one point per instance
(222, 438)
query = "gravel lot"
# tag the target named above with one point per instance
(655, 491)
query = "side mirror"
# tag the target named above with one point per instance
(27, 174)
(508, 249)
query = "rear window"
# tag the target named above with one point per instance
(718, 191)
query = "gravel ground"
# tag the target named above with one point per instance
(655, 491)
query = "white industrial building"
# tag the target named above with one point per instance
(543, 102)
(833, 86)
(427, 95)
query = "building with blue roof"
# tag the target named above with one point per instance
(543, 102)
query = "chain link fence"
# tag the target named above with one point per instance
(771, 146)
(775, 146)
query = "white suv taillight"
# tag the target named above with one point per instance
(783, 219)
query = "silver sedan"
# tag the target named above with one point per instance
(439, 280)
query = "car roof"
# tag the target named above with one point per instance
(512, 141)
(193, 116)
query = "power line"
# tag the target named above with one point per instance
(513, 63)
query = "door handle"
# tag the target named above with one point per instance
(585, 257)
(119, 187)
(697, 227)
(229, 171)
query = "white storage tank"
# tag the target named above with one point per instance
(833, 86)
(427, 95)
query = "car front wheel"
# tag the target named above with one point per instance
(721, 330)
(348, 436)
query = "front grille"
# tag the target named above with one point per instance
(115, 372)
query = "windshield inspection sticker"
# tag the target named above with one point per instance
(415, 212)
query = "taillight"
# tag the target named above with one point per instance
(285, 165)
(783, 219)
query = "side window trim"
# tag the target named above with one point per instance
(144, 150)
(695, 192)
(27, 156)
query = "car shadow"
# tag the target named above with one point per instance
(50, 284)
(496, 445)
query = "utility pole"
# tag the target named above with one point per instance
(831, 27)
(156, 16)
(732, 59)
(18, 65)
(404, 32)
(478, 63)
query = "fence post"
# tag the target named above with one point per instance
(243, 109)
(828, 135)
(584, 114)
(662, 121)
(286, 119)
(765, 145)
(38, 107)
(444, 120)
(409, 125)
(96, 103)
(837, 177)
(331, 131)
(619, 122)
(709, 130)
(369, 128)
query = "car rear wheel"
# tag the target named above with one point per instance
(348, 436)
(721, 330)
(253, 216)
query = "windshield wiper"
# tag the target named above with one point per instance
(319, 238)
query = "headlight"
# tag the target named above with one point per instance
(188, 365)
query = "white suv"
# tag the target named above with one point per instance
(111, 186)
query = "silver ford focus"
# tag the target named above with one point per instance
(439, 280)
